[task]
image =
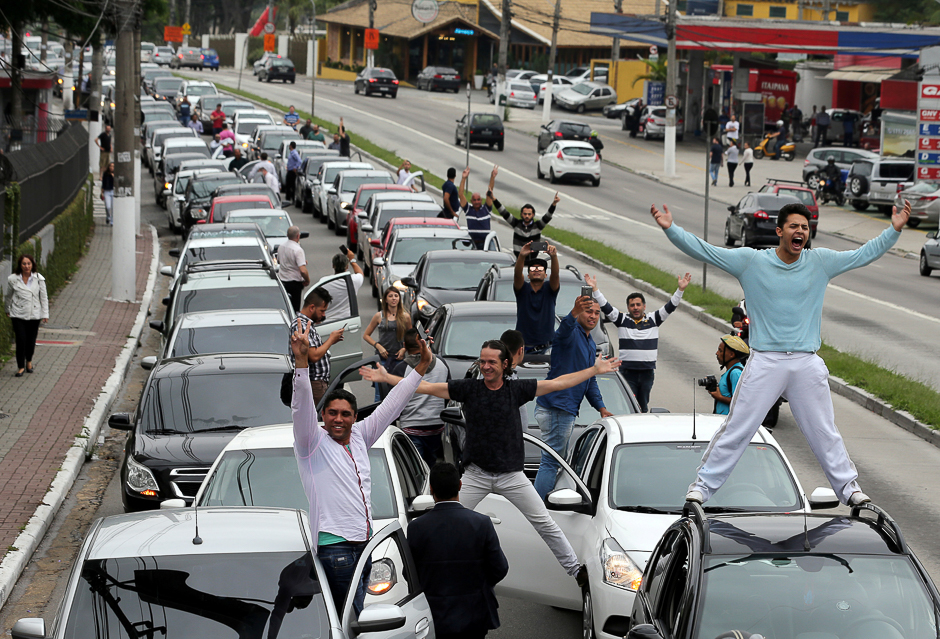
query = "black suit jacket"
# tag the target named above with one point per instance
(459, 561)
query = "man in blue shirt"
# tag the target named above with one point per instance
(572, 346)
(293, 165)
(535, 301)
(784, 289)
(291, 118)
(476, 212)
(731, 355)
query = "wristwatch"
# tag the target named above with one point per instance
(352, 261)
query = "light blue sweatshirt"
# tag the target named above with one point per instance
(784, 301)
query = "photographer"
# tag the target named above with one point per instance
(731, 355)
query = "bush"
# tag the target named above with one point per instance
(255, 54)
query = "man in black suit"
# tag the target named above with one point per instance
(459, 561)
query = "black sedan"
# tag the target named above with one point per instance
(457, 330)
(562, 130)
(278, 69)
(438, 79)
(190, 409)
(485, 128)
(753, 220)
(376, 81)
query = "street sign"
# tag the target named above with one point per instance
(269, 27)
(671, 102)
(270, 42)
(425, 11)
(371, 40)
(76, 114)
(173, 34)
(654, 50)
(930, 91)
(187, 29)
(929, 129)
(655, 92)
(925, 173)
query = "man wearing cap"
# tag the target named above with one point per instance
(731, 355)
(535, 302)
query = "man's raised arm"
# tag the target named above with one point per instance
(601, 366)
(307, 432)
(733, 261)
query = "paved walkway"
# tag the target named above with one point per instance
(40, 414)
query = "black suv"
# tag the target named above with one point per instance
(190, 408)
(485, 128)
(198, 196)
(784, 575)
(562, 130)
(277, 69)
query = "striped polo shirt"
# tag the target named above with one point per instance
(639, 339)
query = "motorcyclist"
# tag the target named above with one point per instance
(596, 143)
(780, 139)
(833, 175)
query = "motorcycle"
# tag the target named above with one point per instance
(826, 192)
(788, 152)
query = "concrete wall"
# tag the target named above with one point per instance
(811, 88)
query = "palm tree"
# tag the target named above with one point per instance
(657, 72)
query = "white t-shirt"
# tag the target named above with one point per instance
(731, 130)
(271, 180)
(290, 257)
(404, 177)
(748, 156)
(263, 164)
(340, 307)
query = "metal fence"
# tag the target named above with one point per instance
(224, 45)
(31, 130)
(50, 175)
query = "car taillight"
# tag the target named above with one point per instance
(471, 131)
(761, 215)
(928, 198)
(202, 57)
(512, 94)
(597, 158)
(371, 80)
(559, 155)
(457, 78)
(180, 56)
(558, 134)
(900, 188)
(438, 77)
(394, 81)
(806, 161)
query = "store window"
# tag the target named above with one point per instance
(842, 16)
(745, 10)
(778, 12)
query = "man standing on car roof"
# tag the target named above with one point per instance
(218, 119)
(333, 461)
(476, 212)
(526, 228)
(783, 360)
(535, 301)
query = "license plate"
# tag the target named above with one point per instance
(383, 88)
(485, 132)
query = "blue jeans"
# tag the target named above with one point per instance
(556, 428)
(339, 563)
(430, 447)
(640, 382)
(713, 171)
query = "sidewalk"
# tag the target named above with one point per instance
(41, 414)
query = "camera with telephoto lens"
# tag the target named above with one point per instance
(710, 383)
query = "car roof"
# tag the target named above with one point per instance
(481, 308)
(426, 227)
(345, 164)
(214, 319)
(199, 170)
(222, 364)
(411, 205)
(776, 198)
(218, 229)
(251, 197)
(156, 533)
(457, 255)
(363, 173)
(184, 142)
(258, 212)
(672, 427)
(226, 278)
(393, 196)
(218, 240)
(574, 143)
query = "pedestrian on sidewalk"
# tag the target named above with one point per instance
(731, 158)
(797, 122)
(312, 313)
(535, 299)
(639, 336)
(107, 193)
(717, 154)
(458, 558)
(526, 229)
(783, 345)
(293, 267)
(104, 144)
(812, 125)
(27, 305)
(747, 158)
(195, 124)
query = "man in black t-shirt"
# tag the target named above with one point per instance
(535, 299)
(104, 143)
(495, 450)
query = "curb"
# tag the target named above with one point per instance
(27, 541)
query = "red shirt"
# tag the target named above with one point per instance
(217, 119)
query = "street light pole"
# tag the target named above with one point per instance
(669, 160)
(313, 76)
(467, 129)
(123, 240)
(550, 83)
(370, 55)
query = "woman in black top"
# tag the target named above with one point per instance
(107, 192)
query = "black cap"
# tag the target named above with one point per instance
(532, 261)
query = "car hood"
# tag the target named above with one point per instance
(438, 297)
(458, 367)
(569, 95)
(171, 451)
(638, 533)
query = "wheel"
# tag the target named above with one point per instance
(587, 614)
(490, 144)
(925, 269)
(813, 234)
(840, 199)
(306, 206)
(913, 223)
(551, 176)
(789, 156)
(339, 230)
(395, 95)
(623, 122)
(729, 241)
(293, 81)
(580, 108)
(812, 181)
(456, 139)
(538, 172)
(679, 138)
(857, 185)
(268, 79)
(596, 182)
(259, 77)
(646, 133)
(356, 88)
(499, 145)
(745, 238)
(330, 224)
(758, 153)
(860, 205)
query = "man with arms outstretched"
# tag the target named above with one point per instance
(784, 288)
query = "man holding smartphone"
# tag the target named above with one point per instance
(535, 301)
(314, 312)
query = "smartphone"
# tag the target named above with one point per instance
(539, 246)
(342, 249)
(421, 332)
(587, 291)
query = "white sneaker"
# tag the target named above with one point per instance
(696, 496)
(858, 498)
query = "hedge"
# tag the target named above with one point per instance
(72, 230)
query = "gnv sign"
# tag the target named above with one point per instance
(930, 91)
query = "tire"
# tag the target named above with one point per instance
(860, 205)
(745, 240)
(268, 79)
(551, 176)
(355, 88)
(789, 156)
(913, 223)
(329, 221)
(259, 77)
(339, 230)
(375, 290)
(596, 182)
(306, 206)
(840, 199)
(646, 133)
(679, 138)
(812, 180)
(758, 153)
(293, 81)
(813, 234)
(729, 241)
(491, 144)
(623, 122)
(580, 108)
(456, 139)
(499, 145)
(538, 172)
(587, 614)
(857, 185)
(925, 270)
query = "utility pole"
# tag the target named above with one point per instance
(94, 101)
(137, 198)
(123, 241)
(313, 76)
(189, 5)
(370, 54)
(550, 83)
(669, 160)
(615, 47)
(504, 29)
(67, 78)
(45, 41)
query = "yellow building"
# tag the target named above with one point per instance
(839, 10)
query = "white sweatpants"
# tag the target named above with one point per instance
(804, 380)
(516, 487)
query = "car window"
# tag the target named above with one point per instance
(456, 276)
(408, 250)
(221, 252)
(578, 152)
(244, 338)
(861, 168)
(655, 572)
(484, 119)
(896, 171)
(383, 73)
(805, 197)
(218, 299)
(581, 450)
(582, 89)
(353, 183)
(463, 334)
(574, 128)
(674, 587)
(596, 473)
(411, 470)
(271, 225)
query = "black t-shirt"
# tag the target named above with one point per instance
(716, 152)
(535, 313)
(344, 146)
(105, 139)
(450, 191)
(494, 428)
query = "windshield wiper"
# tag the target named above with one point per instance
(221, 428)
(646, 509)
(164, 431)
(724, 509)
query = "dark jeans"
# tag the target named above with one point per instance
(24, 332)
(640, 382)
(430, 447)
(731, 167)
(339, 562)
(848, 138)
(747, 173)
(289, 187)
(821, 131)
(294, 288)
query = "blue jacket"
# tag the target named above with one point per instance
(458, 558)
(572, 350)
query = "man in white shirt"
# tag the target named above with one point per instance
(340, 306)
(293, 267)
(732, 130)
(404, 176)
(263, 163)
(270, 178)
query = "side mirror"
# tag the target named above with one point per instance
(174, 252)
(378, 618)
(932, 235)
(452, 416)
(166, 301)
(564, 499)
(366, 228)
(120, 421)
(644, 631)
(167, 192)
(331, 191)
(304, 234)
(732, 208)
(147, 363)
(29, 628)
(658, 409)
(345, 206)
(167, 504)
(166, 270)
(378, 262)
(156, 325)
(375, 243)
(823, 498)
(361, 215)
(409, 282)
(422, 503)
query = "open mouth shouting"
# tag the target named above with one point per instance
(797, 242)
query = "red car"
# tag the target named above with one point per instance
(227, 203)
(357, 206)
(800, 191)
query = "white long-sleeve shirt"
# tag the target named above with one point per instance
(27, 300)
(336, 478)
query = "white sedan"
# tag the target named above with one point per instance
(625, 486)
(569, 160)
(558, 81)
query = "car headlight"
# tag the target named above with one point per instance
(140, 479)
(199, 214)
(425, 307)
(619, 569)
(167, 185)
(244, 145)
(344, 206)
(382, 577)
(398, 284)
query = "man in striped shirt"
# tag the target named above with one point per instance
(476, 212)
(639, 336)
(526, 229)
(314, 312)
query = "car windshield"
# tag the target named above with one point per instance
(201, 89)
(272, 141)
(584, 88)
(387, 214)
(271, 225)
(247, 128)
(615, 400)
(331, 172)
(199, 147)
(269, 477)
(463, 336)
(214, 596)
(244, 338)
(821, 595)
(578, 151)
(155, 115)
(222, 208)
(281, 62)
(567, 290)
(408, 250)
(486, 120)
(805, 197)
(210, 52)
(518, 86)
(314, 163)
(192, 403)
(571, 128)
(760, 481)
(353, 183)
(167, 84)
(896, 170)
(230, 298)
(458, 275)
(382, 73)
(365, 194)
(223, 252)
(172, 163)
(231, 107)
(204, 188)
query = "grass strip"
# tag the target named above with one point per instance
(901, 392)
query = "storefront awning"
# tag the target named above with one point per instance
(870, 74)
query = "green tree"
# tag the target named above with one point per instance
(924, 12)
(656, 71)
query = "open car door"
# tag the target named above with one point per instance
(348, 351)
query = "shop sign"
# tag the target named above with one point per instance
(425, 10)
